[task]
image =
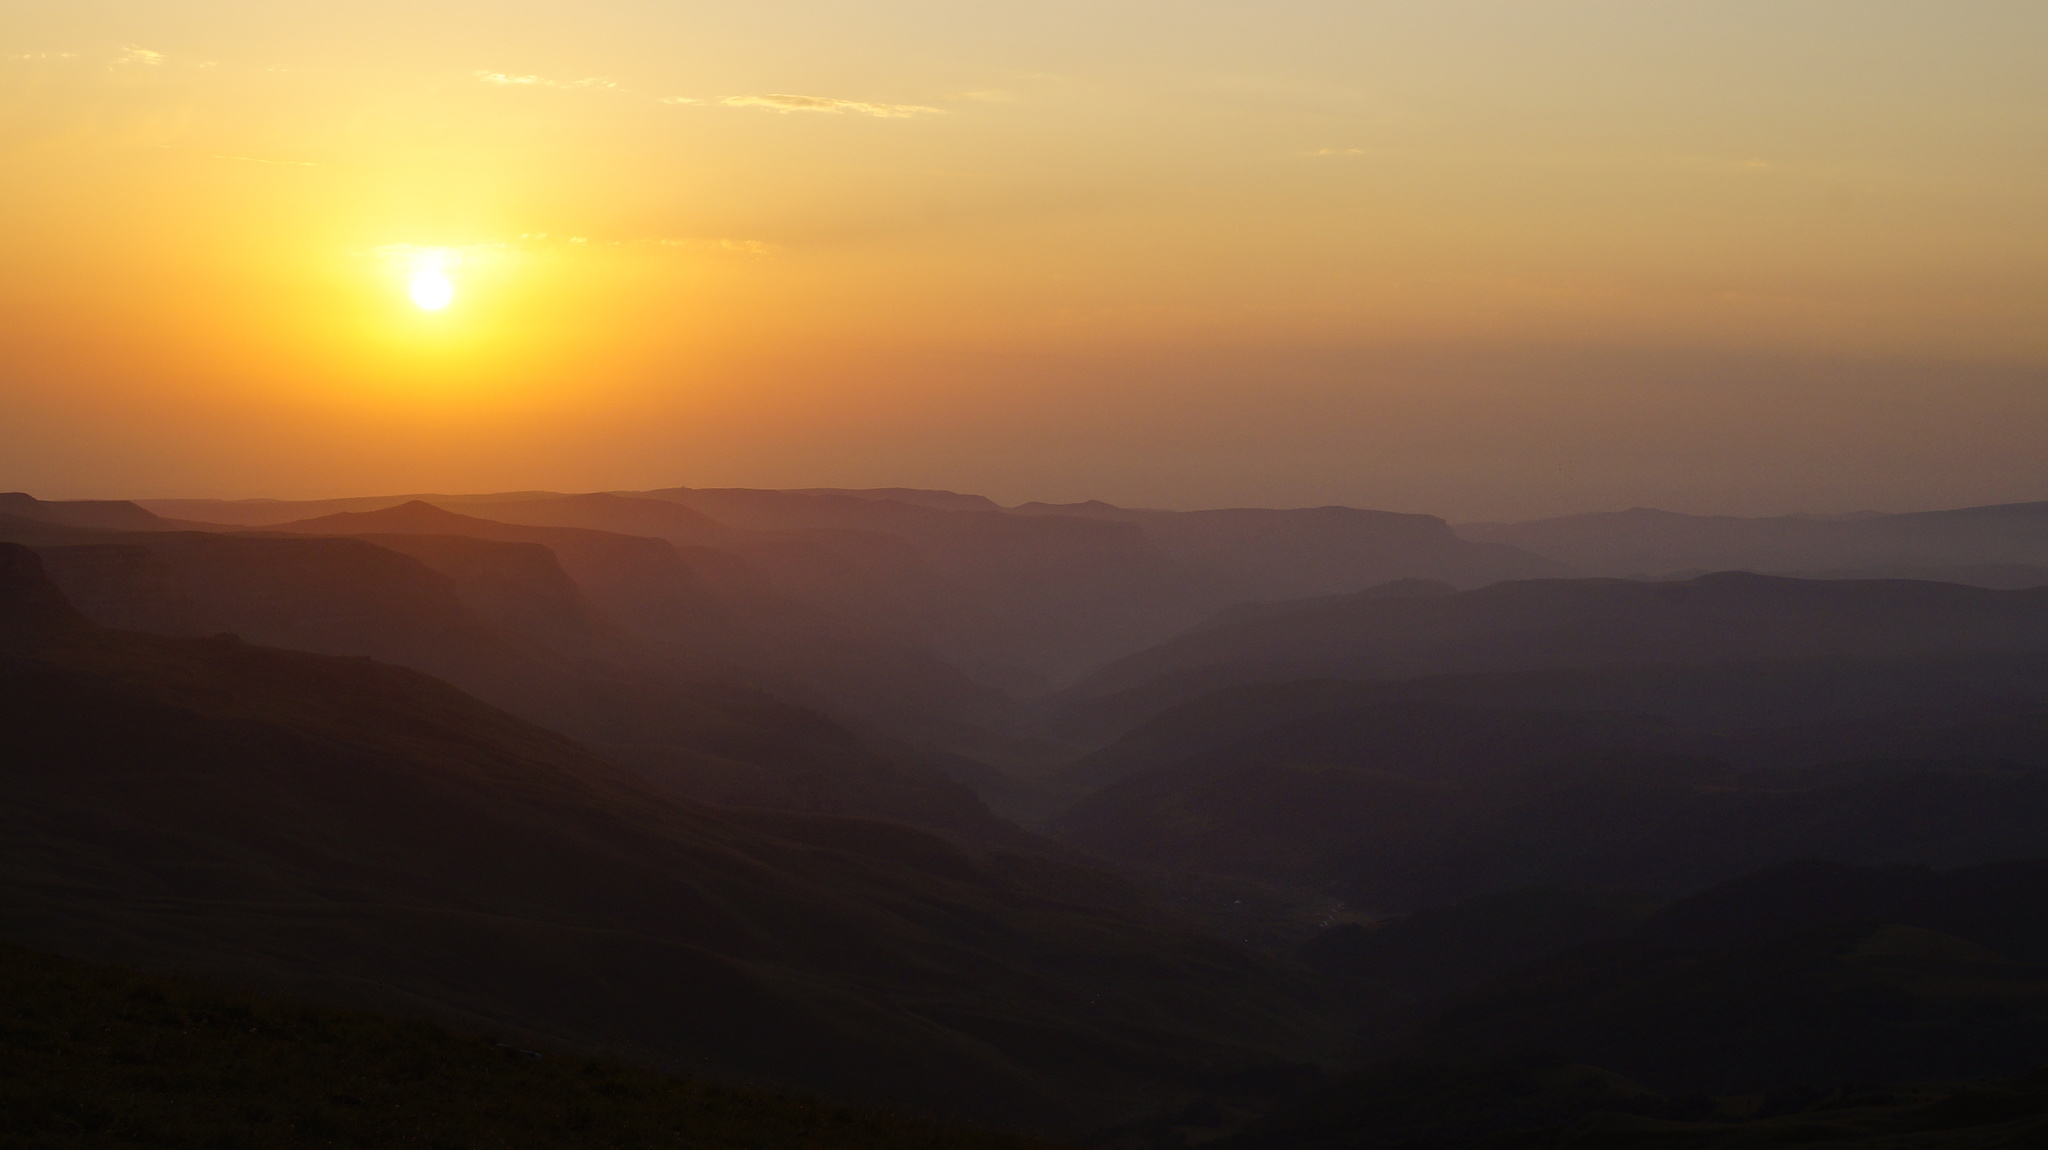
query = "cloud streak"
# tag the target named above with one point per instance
(514, 80)
(784, 102)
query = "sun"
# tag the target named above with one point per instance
(431, 288)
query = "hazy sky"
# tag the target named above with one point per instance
(1475, 257)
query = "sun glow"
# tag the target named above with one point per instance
(431, 288)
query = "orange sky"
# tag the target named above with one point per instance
(1477, 258)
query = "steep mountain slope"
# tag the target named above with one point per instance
(501, 620)
(1017, 600)
(720, 617)
(1997, 576)
(1257, 554)
(271, 512)
(108, 514)
(1411, 805)
(1574, 623)
(1772, 713)
(1064, 586)
(872, 579)
(1643, 541)
(342, 825)
(1443, 951)
(1021, 598)
(642, 583)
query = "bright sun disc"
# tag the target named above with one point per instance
(432, 289)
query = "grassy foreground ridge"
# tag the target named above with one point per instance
(100, 1056)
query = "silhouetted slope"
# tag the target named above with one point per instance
(1407, 805)
(654, 518)
(1742, 1016)
(915, 496)
(1774, 713)
(642, 583)
(271, 512)
(1808, 973)
(1015, 600)
(1997, 576)
(1575, 623)
(519, 588)
(873, 580)
(94, 1055)
(1650, 542)
(1038, 592)
(1540, 1103)
(1418, 739)
(539, 656)
(1020, 598)
(106, 514)
(718, 616)
(1441, 951)
(1256, 554)
(343, 825)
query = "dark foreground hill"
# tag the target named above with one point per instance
(1418, 629)
(1669, 823)
(1544, 1103)
(1755, 714)
(96, 1056)
(365, 832)
(1795, 1006)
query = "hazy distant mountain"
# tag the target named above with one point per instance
(1259, 554)
(1755, 715)
(641, 583)
(1644, 541)
(370, 833)
(1036, 593)
(714, 612)
(1408, 805)
(502, 621)
(1017, 600)
(915, 496)
(270, 512)
(1998, 576)
(1021, 598)
(1571, 623)
(110, 514)
(874, 581)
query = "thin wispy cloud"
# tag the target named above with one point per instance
(278, 163)
(1336, 152)
(732, 246)
(678, 100)
(784, 102)
(515, 80)
(134, 54)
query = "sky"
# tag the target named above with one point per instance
(1478, 258)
